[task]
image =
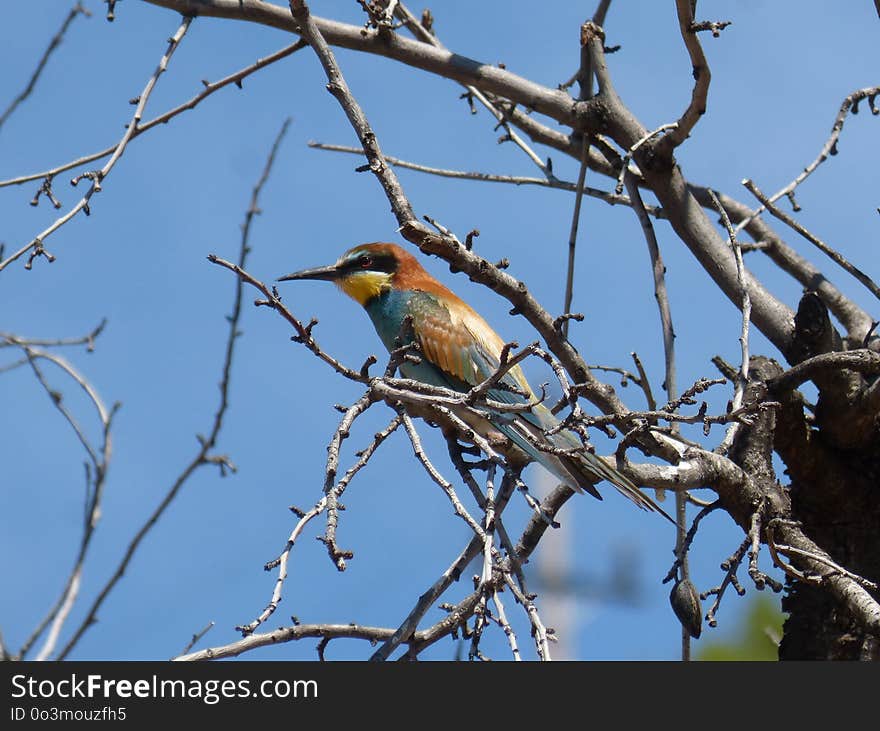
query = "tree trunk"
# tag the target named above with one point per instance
(834, 468)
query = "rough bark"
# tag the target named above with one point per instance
(834, 471)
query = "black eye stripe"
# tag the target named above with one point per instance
(371, 262)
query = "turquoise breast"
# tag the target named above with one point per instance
(387, 312)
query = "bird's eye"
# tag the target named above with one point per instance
(366, 262)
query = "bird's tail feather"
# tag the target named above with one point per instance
(579, 471)
(594, 467)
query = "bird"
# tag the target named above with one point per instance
(457, 350)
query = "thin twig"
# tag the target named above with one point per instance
(332, 491)
(97, 177)
(281, 563)
(209, 88)
(658, 269)
(792, 551)
(706, 509)
(408, 627)
(702, 76)
(788, 569)
(505, 625)
(196, 637)
(624, 165)
(573, 232)
(609, 197)
(743, 415)
(730, 566)
(304, 332)
(435, 475)
(53, 44)
(539, 631)
(828, 149)
(288, 634)
(365, 454)
(484, 584)
(759, 577)
(423, 35)
(833, 254)
(9, 340)
(746, 308)
(203, 455)
(96, 473)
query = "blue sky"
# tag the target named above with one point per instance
(180, 192)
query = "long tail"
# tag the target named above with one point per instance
(579, 471)
(592, 467)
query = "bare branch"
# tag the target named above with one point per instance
(604, 195)
(209, 88)
(746, 309)
(206, 444)
(759, 577)
(730, 566)
(658, 269)
(197, 637)
(539, 631)
(288, 634)
(833, 254)
(792, 551)
(864, 361)
(634, 148)
(438, 478)
(689, 537)
(846, 587)
(10, 340)
(408, 627)
(487, 77)
(97, 177)
(96, 473)
(422, 34)
(572, 236)
(77, 9)
(505, 625)
(702, 77)
(304, 332)
(850, 103)
(665, 179)
(281, 563)
(339, 89)
(856, 320)
(339, 556)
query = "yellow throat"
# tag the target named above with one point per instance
(363, 286)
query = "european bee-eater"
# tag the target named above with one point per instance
(458, 350)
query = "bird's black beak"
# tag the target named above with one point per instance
(328, 273)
